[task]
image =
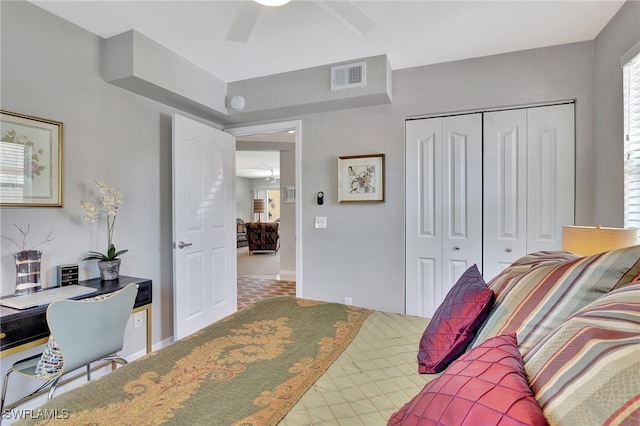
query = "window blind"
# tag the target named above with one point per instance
(12, 169)
(631, 87)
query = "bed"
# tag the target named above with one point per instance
(554, 332)
(253, 367)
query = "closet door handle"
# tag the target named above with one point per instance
(508, 249)
(456, 248)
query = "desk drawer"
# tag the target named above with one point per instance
(144, 294)
(23, 330)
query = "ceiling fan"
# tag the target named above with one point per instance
(272, 178)
(248, 11)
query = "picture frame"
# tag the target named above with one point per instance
(361, 178)
(30, 161)
(288, 194)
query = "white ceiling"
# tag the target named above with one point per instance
(257, 164)
(308, 33)
(305, 34)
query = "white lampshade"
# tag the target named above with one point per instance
(588, 240)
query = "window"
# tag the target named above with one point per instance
(12, 165)
(631, 85)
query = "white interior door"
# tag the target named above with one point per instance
(443, 207)
(204, 286)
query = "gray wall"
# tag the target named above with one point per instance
(125, 139)
(244, 199)
(287, 215)
(361, 253)
(620, 35)
(52, 69)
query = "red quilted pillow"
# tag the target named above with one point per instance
(455, 322)
(485, 386)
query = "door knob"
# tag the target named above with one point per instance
(456, 248)
(182, 244)
(508, 250)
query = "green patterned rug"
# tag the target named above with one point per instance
(247, 369)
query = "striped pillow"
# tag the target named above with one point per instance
(510, 275)
(540, 258)
(529, 262)
(587, 371)
(534, 302)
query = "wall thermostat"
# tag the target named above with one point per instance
(320, 198)
(67, 274)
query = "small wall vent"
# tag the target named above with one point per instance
(347, 76)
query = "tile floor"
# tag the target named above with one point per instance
(252, 288)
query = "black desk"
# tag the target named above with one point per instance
(27, 328)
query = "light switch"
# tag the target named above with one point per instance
(321, 222)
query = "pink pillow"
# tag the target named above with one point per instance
(487, 386)
(455, 322)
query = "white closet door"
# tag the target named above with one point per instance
(550, 175)
(423, 224)
(505, 189)
(462, 198)
(443, 207)
(528, 182)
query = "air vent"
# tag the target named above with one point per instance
(347, 76)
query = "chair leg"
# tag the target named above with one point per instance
(116, 359)
(52, 389)
(4, 393)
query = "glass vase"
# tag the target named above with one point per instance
(27, 271)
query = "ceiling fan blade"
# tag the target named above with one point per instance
(352, 15)
(243, 21)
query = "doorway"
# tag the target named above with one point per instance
(281, 140)
(258, 202)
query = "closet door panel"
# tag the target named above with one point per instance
(462, 197)
(423, 238)
(505, 177)
(551, 183)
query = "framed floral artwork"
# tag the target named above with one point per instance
(30, 161)
(361, 178)
(288, 194)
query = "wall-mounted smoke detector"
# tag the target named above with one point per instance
(347, 76)
(238, 103)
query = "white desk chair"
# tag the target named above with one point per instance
(85, 331)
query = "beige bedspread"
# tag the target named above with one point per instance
(374, 377)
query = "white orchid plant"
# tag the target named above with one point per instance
(111, 202)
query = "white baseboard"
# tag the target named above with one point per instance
(163, 343)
